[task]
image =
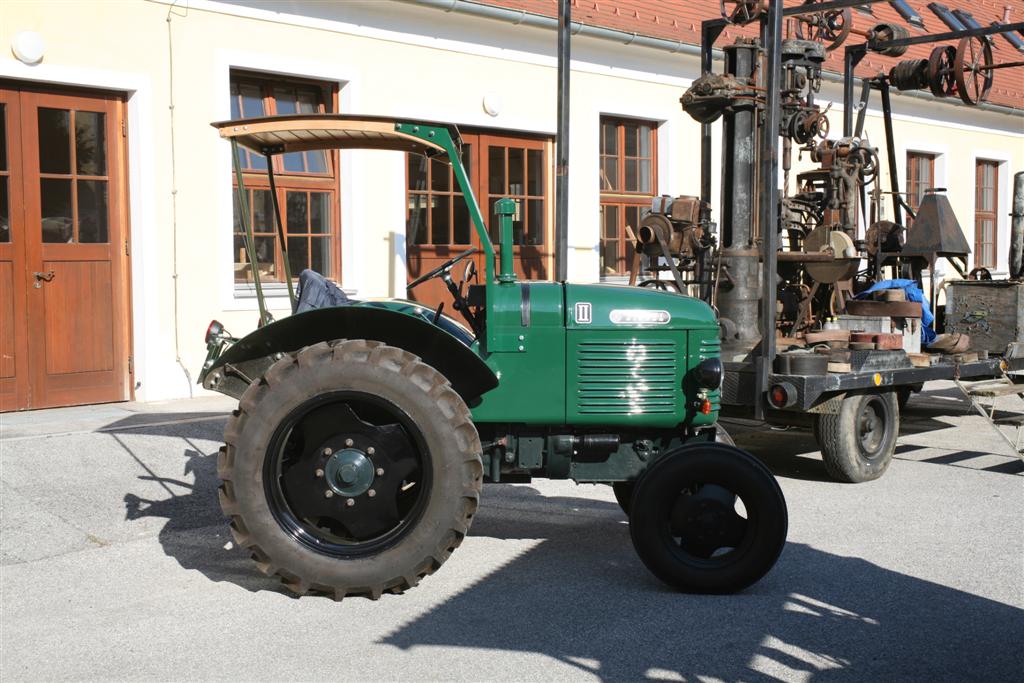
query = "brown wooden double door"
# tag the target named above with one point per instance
(64, 335)
(438, 225)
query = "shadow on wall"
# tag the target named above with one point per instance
(581, 596)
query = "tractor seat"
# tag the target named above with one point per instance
(316, 291)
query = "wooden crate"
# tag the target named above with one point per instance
(991, 313)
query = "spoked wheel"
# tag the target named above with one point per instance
(350, 469)
(708, 518)
(857, 443)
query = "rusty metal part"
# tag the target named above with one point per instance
(972, 69)
(831, 27)
(910, 74)
(712, 94)
(941, 80)
(884, 33)
(884, 236)
(843, 264)
(893, 309)
(743, 11)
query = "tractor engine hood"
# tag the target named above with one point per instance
(618, 307)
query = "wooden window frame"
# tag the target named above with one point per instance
(289, 180)
(980, 215)
(621, 198)
(914, 197)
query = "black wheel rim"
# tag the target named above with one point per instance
(872, 427)
(710, 524)
(347, 474)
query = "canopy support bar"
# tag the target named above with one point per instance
(250, 242)
(280, 232)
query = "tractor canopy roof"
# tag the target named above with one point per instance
(304, 132)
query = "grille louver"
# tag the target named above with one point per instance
(626, 378)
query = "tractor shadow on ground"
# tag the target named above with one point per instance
(196, 533)
(581, 596)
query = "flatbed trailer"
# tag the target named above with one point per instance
(855, 413)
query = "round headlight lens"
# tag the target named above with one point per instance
(710, 373)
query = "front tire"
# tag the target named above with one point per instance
(691, 532)
(858, 442)
(351, 468)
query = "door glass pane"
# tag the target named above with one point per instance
(320, 256)
(308, 103)
(440, 220)
(535, 172)
(92, 211)
(55, 205)
(266, 253)
(5, 215)
(631, 176)
(298, 212)
(496, 170)
(3, 137)
(440, 175)
(298, 254)
(461, 217)
(294, 162)
(316, 161)
(252, 101)
(609, 241)
(320, 212)
(491, 221)
(535, 222)
(90, 143)
(284, 99)
(609, 174)
(54, 141)
(516, 171)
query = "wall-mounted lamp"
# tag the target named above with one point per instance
(28, 47)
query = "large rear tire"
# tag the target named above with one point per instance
(351, 468)
(858, 442)
(708, 518)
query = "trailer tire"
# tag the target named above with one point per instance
(858, 442)
(351, 468)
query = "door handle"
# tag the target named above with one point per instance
(43, 277)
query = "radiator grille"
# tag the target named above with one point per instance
(627, 377)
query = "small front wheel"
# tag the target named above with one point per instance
(708, 518)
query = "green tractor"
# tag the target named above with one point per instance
(365, 429)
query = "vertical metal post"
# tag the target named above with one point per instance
(890, 150)
(250, 241)
(562, 147)
(851, 58)
(769, 198)
(280, 233)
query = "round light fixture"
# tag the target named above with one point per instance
(28, 47)
(492, 104)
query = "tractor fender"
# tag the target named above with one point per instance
(252, 355)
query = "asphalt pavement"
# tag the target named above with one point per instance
(116, 564)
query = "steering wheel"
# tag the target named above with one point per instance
(443, 268)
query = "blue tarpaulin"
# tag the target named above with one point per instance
(914, 293)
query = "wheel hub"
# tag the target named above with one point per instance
(349, 472)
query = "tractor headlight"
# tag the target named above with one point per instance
(709, 373)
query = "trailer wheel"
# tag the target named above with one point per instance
(858, 442)
(708, 518)
(351, 468)
(624, 489)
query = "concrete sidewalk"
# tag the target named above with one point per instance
(116, 564)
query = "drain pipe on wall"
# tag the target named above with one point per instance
(174, 193)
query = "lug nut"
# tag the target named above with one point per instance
(371, 450)
(328, 494)
(319, 474)
(327, 451)
(371, 493)
(350, 502)
(380, 471)
(349, 442)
